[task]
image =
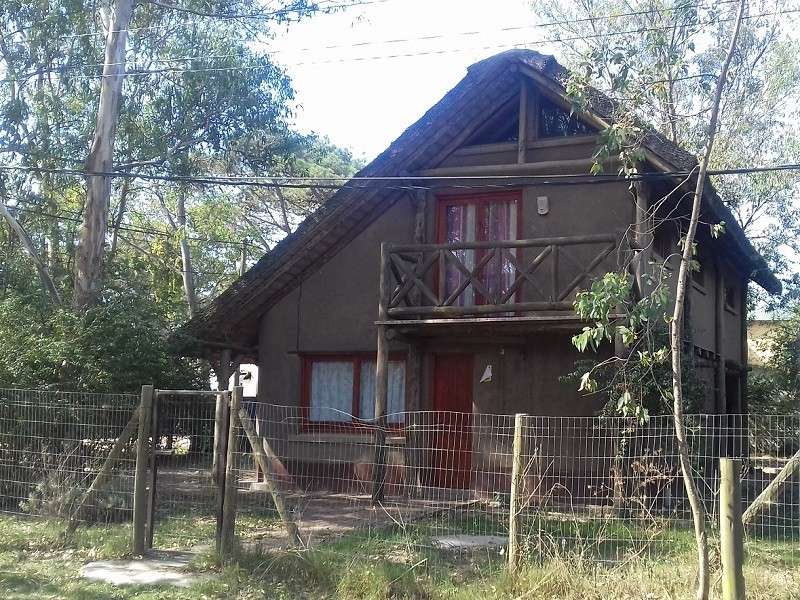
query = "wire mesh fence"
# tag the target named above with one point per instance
(52, 446)
(609, 488)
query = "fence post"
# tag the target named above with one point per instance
(140, 482)
(731, 529)
(226, 534)
(517, 502)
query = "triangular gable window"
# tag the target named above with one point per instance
(502, 127)
(554, 121)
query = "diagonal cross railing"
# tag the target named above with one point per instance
(480, 278)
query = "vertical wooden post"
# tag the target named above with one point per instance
(140, 480)
(745, 353)
(155, 432)
(518, 465)
(644, 236)
(524, 130)
(719, 339)
(381, 380)
(225, 534)
(222, 419)
(731, 529)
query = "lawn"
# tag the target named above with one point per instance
(36, 562)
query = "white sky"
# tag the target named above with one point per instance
(362, 102)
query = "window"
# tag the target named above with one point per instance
(555, 121)
(341, 389)
(730, 298)
(479, 218)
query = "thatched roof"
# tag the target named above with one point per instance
(231, 319)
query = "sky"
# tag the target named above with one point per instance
(365, 74)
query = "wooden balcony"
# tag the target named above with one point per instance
(506, 280)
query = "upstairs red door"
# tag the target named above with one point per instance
(452, 420)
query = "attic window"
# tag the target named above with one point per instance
(555, 121)
(503, 128)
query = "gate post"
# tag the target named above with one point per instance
(225, 533)
(140, 481)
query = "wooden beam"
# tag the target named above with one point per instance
(105, 471)
(720, 404)
(226, 532)
(522, 137)
(381, 382)
(264, 456)
(546, 167)
(770, 493)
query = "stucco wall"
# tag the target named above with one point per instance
(333, 310)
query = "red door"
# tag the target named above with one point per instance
(452, 420)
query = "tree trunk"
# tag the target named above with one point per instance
(186, 258)
(44, 274)
(675, 329)
(89, 253)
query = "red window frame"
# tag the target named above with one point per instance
(352, 426)
(480, 200)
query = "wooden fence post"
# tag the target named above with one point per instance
(263, 455)
(515, 536)
(731, 529)
(225, 537)
(382, 378)
(140, 481)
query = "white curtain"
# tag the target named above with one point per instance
(397, 391)
(331, 391)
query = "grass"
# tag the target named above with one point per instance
(399, 563)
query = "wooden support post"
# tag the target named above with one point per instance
(105, 471)
(140, 481)
(517, 502)
(220, 416)
(524, 130)
(770, 493)
(643, 230)
(225, 533)
(745, 353)
(731, 529)
(414, 444)
(263, 455)
(381, 381)
(155, 433)
(720, 405)
(222, 419)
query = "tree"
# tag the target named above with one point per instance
(657, 58)
(624, 137)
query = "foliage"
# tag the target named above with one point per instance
(638, 384)
(117, 347)
(657, 60)
(201, 98)
(58, 495)
(774, 388)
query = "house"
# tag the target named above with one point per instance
(455, 256)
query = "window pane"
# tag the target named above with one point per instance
(397, 391)
(331, 391)
(554, 121)
(460, 227)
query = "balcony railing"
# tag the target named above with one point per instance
(491, 278)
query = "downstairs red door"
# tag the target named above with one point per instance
(452, 420)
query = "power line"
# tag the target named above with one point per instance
(405, 182)
(253, 66)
